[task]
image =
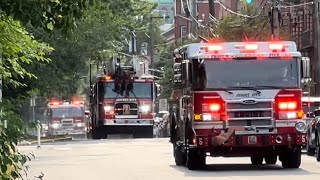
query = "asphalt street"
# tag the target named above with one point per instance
(147, 159)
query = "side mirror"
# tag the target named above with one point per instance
(305, 67)
(316, 112)
(186, 71)
(177, 73)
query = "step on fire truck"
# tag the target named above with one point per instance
(122, 102)
(237, 99)
(66, 118)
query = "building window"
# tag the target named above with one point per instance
(183, 33)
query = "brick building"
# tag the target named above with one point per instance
(182, 24)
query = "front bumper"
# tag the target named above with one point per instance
(70, 132)
(128, 122)
(233, 139)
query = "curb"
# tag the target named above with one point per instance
(45, 141)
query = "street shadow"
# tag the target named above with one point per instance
(227, 170)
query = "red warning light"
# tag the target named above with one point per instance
(215, 48)
(250, 47)
(278, 47)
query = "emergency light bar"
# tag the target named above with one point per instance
(242, 49)
(54, 103)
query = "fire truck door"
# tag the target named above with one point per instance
(100, 99)
(185, 115)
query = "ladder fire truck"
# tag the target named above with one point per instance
(66, 118)
(122, 101)
(236, 99)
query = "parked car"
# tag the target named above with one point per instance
(313, 135)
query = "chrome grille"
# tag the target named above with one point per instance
(259, 114)
(120, 109)
(67, 123)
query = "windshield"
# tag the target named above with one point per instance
(64, 112)
(140, 90)
(244, 73)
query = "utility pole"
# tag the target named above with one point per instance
(211, 7)
(275, 26)
(194, 26)
(151, 46)
(316, 42)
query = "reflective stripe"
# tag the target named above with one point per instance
(207, 126)
(286, 123)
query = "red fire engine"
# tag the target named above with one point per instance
(122, 102)
(66, 118)
(238, 99)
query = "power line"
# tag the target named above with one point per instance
(295, 5)
(226, 8)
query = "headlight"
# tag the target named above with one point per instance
(55, 125)
(107, 108)
(80, 124)
(207, 117)
(301, 126)
(145, 108)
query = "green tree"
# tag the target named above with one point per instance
(19, 50)
(98, 35)
(48, 14)
(238, 28)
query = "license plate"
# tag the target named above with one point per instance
(252, 140)
(248, 114)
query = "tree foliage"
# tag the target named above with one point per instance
(18, 47)
(47, 14)
(98, 35)
(19, 50)
(12, 162)
(238, 28)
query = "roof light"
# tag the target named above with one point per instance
(276, 46)
(77, 102)
(108, 78)
(55, 103)
(215, 48)
(250, 47)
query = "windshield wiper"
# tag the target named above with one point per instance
(253, 88)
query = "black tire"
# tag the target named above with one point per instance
(196, 159)
(318, 147)
(271, 159)
(179, 157)
(318, 154)
(255, 160)
(291, 159)
(310, 151)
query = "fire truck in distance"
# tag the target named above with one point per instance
(238, 99)
(66, 118)
(122, 102)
